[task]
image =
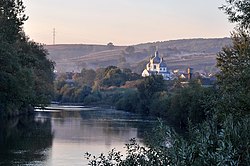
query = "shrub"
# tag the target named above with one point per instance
(208, 144)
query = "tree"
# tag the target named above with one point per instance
(10, 80)
(238, 11)
(26, 76)
(86, 77)
(150, 85)
(12, 17)
(128, 101)
(12, 75)
(113, 77)
(33, 57)
(147, 88)
(234, 63)
(81, 93)
(110, 45)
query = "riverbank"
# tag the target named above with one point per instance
(14, 112)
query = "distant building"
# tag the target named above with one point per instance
(157, 66)
(188, 74)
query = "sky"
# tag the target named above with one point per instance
(124, 22)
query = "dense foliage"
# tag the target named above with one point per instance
(178, 105)
(89, 86)
(234, 62)
(206, 145)
(26, 75)
(238, 11)
(234, 79)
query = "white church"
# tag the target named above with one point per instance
(157, 66)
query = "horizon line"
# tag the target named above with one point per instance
(149, 42)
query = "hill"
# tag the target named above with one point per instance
(178, 54)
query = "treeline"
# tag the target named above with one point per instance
(89, 85)
(177, 104)
(26, 75)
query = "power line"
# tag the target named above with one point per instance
(54, 36)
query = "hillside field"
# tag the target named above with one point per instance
(178, 54)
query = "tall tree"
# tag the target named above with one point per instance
(12, 18)
(26, 74)
(147, 88)
(234, 63)
(33, 57)
(238, 11)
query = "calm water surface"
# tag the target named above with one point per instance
(60, 137)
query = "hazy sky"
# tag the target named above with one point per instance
(124, 22)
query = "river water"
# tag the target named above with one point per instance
(60, 136)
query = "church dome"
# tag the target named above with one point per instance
(156, 58)
(163, 64)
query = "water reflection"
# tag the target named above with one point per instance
(24, 140)
(29, 140)
(94, 131)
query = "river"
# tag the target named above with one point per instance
(61, 135)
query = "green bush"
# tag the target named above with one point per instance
(208, 145)
(92, 98)
(128, 102)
